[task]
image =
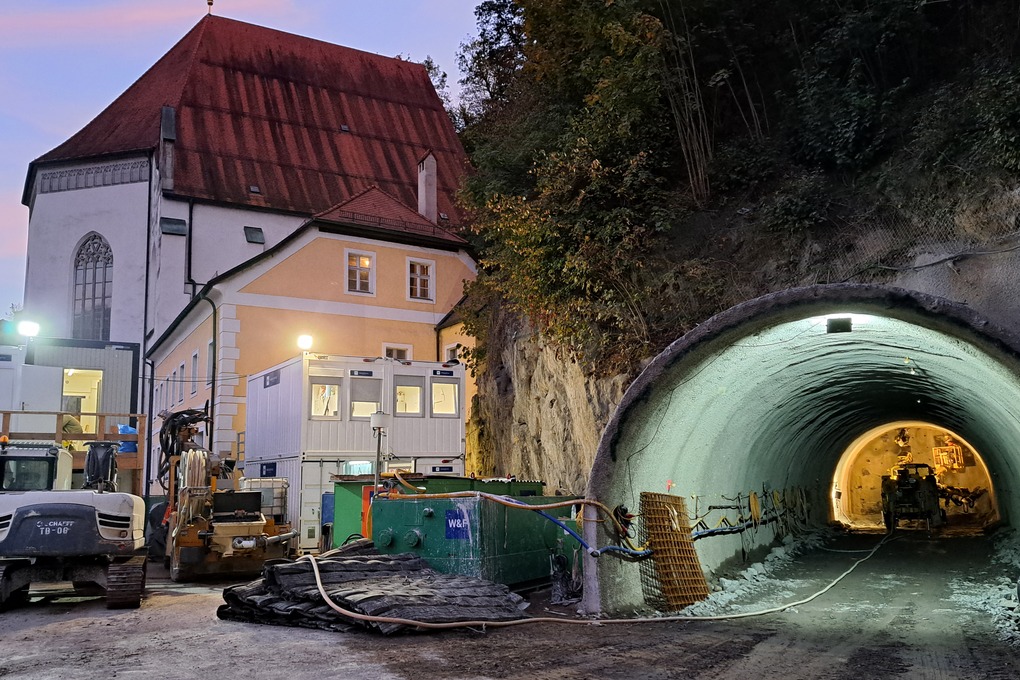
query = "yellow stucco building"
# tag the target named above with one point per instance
(370, 277)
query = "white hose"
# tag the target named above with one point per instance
(583, 622)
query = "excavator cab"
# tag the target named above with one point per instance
(34, 467)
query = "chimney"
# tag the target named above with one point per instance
(427, 187)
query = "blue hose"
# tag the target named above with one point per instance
(564, 527)
(591, 551)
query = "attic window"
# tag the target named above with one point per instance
(254, 235)
(345, 128)
(444, 216)
(174, 226)
(254, 188)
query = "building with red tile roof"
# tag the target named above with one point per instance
(310, 124)
(237, 141)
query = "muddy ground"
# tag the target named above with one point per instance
(919, 608)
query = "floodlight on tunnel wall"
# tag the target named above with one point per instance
(839, 324)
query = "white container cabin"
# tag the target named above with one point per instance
(310, 417)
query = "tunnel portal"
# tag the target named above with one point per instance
(776, 398)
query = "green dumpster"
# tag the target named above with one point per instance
(476, 536)
(348, 495)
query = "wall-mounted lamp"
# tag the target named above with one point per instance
(304, 342)
(29, 329)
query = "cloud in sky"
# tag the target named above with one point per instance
(48, 25)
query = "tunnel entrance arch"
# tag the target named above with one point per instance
(769, 395)
(967, 494)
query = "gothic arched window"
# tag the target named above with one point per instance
(93, 289)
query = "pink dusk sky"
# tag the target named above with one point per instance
(64, 61)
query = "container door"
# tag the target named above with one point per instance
(39, 389)
(315, 481)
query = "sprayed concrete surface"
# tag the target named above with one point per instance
(919, 607)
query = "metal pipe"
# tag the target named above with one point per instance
(293, 533)
(378, 457)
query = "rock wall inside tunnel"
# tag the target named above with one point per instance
(968, 495)
(769, 395)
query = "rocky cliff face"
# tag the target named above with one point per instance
(538, 416)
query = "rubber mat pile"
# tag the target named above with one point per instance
(360, 580)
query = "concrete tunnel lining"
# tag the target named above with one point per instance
(762, 396)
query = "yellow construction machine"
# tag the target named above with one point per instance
(212, 522)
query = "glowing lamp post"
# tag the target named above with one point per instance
(380, 421)
(29, 329)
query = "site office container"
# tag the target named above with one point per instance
(309, 418)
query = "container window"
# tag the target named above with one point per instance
(358, 467)
(408, 398)
(366, 397)
(325, 402)
(445, 399)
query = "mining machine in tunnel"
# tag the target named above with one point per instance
(805, 399)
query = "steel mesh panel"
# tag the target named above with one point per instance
(672, 579)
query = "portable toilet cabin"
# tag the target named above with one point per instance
(310, 417)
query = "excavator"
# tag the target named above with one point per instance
(212, 524)
(49, 532)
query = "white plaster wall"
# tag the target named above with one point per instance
(170, 294)
(58, 223)
(218, 244)
(218, 237)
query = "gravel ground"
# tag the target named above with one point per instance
(919, 607)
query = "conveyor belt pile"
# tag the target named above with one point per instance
(359, 580)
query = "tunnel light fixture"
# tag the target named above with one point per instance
(838, 324)
(848, 321)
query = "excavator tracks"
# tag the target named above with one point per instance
(125, 583)
(10, 598)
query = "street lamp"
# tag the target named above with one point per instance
(29, 329)
(380, 421)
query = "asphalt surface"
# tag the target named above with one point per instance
(920, 607)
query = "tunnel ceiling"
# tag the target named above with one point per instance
(764, 394)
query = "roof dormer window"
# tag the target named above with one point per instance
(254, 235)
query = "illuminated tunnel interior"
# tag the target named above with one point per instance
(801, 401)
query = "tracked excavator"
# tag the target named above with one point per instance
(212, 524)
(91, 537)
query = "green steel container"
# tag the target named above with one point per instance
(475, 536)
(347, 509)
(347, 498)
